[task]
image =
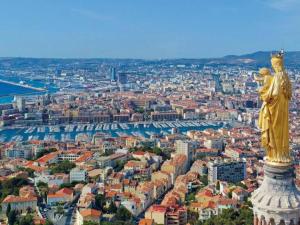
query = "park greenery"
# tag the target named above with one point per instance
(62, 167)
(14, 218)
(49, 222)
(11, 186)
(90, 223)
(243, 216)
(122, 215)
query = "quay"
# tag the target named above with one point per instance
(22, 85)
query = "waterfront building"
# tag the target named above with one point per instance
(121, 118)
(20, 103)
(19, 151)
(160, 116)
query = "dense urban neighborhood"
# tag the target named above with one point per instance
(122, 142)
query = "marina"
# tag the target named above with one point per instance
(71, 131)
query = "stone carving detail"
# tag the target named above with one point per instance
(277, 200)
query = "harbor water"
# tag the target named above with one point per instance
(73, 131)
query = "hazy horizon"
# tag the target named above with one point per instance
(119, 58)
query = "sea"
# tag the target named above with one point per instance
(8, 91)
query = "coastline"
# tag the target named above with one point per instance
(22, 85)
(8, 89)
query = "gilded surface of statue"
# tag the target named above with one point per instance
(274, 114)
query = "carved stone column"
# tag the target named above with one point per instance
(277, 199)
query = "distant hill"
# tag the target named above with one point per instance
(256, 59)
(261, 58)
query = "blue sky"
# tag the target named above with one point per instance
(147, 28)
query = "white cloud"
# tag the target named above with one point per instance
(283, 5)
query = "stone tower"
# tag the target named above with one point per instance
(277, 200)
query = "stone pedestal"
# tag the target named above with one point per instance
(277, 200)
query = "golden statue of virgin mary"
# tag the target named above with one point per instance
(274, 114)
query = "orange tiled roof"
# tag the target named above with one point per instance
(66, 191)
(90, 213)
(140, 153)
(146, 222)
(158, 208)
(61, 193)
(84, 157)
(48, 157)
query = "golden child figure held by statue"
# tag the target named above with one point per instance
(274, 114)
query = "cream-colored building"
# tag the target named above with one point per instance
(88, 215)
(19, 203)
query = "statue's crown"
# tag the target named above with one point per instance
(278, 55)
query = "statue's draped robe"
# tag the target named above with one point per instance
(273, 118)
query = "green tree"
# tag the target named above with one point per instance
(218, 185)
(8, 209)
(242, 185)
(29, 171)
(26, 220)
(117, 223)
(119, 165)
(192, 217)
(112, 208)
(244, 216)
(204, 180)
(65, 185)
(230, 194)
(12, 217)
(100, 202)
(49, 222)
(190, 197)
(140, 110)
(59, 210)
(43, 188)
(123, 214)
(63, 167)
(90, 223)
(11, 187)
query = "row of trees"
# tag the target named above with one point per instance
(14, 218)
(243, 216)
